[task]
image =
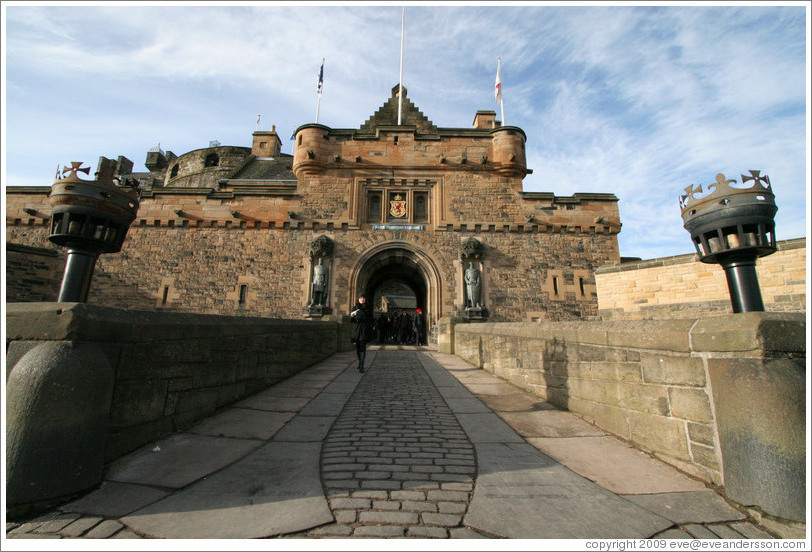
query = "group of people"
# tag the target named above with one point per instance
(402, 328)
(388, 328)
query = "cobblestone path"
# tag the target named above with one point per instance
(396, 462)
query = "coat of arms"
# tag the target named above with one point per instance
(397, 206)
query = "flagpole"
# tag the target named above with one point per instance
(501, 97)
(400, 82)
(321, 77)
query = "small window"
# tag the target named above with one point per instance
(374, 207)
(555, 285)
(165, 296)
(174, 171)
(212, 160)
(263, 145)
(581, 284)
(421, 211)
(243, 293)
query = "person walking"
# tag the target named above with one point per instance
(363, 331)
(419, 324)
(404, 327)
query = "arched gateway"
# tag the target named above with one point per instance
(403, 263)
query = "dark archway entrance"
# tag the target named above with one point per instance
(400, 266)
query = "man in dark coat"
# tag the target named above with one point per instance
(363, 331)
(404, 327)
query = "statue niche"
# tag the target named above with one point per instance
(471, 252)
(321, 252)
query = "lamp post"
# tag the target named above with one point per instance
(89, 218)
(733, 227)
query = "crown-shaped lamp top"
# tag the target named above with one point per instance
(721, 194)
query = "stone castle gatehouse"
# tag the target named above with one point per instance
(410, 209)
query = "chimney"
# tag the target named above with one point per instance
(485, 119)
(266, 143)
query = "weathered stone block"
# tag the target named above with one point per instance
(57, 410)
(750, 331)
(137, 402)
(643, 398)
(672, 369)
(666, 335)
(705, 456)
(611, 418)
(701, 433)
(761, 419)
(690, 404)
(659, 433)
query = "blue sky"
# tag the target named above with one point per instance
(640, 101)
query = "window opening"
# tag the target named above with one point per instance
(243, 293)
(166, 295)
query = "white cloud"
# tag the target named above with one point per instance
(636, 101)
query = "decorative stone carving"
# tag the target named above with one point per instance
(471, 248)
(321, 247)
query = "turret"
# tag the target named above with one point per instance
(312, 150)
(508, 151)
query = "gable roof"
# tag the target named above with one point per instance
(387, 115)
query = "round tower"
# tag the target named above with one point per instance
(508, 151)
(312, 150)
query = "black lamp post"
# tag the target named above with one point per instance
(733, 227)
(89, 218)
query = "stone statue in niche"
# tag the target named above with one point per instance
(320, 273)
(473, 287)
(321, 251)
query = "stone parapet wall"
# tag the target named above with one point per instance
(666, 387)
(172, 369)
(683, 287)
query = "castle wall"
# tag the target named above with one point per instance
(199, 266)
(681, 286)
(32, 273)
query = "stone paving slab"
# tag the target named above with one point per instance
(521, 493)
(272, 491)
(615, 466)
(113, 499)
(306, 429)
(181, 458)
(271, 403)
(243, 423)
(326, 404)
(550, 423)
(487, 428)
(689, 507)
(516, 402)
(469, 405)
(282, 390)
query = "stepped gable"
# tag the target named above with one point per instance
(387, 115)
(266, 168)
